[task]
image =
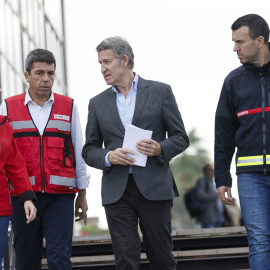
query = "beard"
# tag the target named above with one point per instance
(251, 57)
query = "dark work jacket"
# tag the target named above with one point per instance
(243, 121)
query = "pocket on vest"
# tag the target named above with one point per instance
(55, 148)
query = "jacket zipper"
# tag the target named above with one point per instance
(263, 122)
(269, 94)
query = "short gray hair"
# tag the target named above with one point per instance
(120, 47)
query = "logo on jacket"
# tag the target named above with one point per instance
(242, 113)
(61, 117)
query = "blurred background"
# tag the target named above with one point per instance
(186, 44)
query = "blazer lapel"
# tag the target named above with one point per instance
(141, 98)
(113, 111)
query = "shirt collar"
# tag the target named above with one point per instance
(29, 99)
(134, 84)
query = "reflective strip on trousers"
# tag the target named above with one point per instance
(32, 181)
(62, 181)
(252, 160)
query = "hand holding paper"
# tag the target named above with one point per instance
(132, 136)
(149, 147)
(120, 157)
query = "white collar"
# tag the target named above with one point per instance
(29, 99)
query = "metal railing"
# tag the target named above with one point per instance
(9, 256)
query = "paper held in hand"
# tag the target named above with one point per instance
(134, 134)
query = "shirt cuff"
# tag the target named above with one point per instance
(83, 182)
(106, 162)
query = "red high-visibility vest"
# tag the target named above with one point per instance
(49, 157)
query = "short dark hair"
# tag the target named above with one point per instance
(39, 55)
(205, 167)
(256, 24)
(120, 47)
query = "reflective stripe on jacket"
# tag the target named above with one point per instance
(243, 121)
(49, 157)
(252, 160)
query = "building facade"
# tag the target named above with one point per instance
(24, 26)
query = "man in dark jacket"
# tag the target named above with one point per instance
(213, 216)
(243, 121)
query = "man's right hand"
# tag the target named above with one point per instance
(221, 194)
(30, 211)
(119, 157)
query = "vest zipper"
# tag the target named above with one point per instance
(263, 122)
(42, 171)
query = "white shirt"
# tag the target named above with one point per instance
(40, 116)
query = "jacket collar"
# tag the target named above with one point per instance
(265, 66)
(142, 94)
(3, 119)
(141, 98)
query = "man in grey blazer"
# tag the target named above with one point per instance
(132, 194)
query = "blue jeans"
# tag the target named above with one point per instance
(254, 195)
(4, 220)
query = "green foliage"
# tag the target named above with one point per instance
(92, 230)
(187, 169)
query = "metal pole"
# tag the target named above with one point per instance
(6, 49)
(45, 32)
(6, 258)
(64, 47)
(21, 39)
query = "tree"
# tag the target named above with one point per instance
(187, 169)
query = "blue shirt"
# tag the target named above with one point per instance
(125, 107)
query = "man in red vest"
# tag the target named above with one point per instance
(47, 131)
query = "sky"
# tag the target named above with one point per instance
(186, 44)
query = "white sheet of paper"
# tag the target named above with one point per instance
(134, 134)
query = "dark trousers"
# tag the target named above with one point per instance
(54, 221)
(155, 223)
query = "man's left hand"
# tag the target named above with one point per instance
(81, 203)
(149, 147)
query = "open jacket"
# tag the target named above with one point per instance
(155, 110)
(12, 166)
(243, 121)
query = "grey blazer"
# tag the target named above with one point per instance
(155, 110)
